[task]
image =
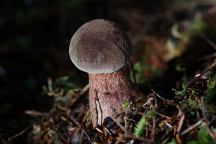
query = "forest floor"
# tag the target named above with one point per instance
(178, 104)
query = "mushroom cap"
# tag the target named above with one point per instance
(100, 46)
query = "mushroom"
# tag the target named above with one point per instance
(103, 50)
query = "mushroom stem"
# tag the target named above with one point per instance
(107, 94)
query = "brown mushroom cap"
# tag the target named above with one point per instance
(99, 46)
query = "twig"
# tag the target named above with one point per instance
(149, 101)
(153, 129)
(167, 101)
(126, 114)
(168, 125)
(35, 113)
(155, 101)
(84, 90)
(81, 137)
(19, 134)
(148, 141)
(167, 117)
(210, 42)
(81, 93)
(178, 139)
(119, 125)
(158, 95)
(180, 123)
(126, 124)
(192, 127)
(72, 119)
(209, 56)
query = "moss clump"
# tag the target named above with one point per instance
(211, 87)
(142, 123)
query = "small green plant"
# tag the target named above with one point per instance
(62, 89)
(189, 105)
(182, 88)
(173, 141)
(125, 104)
(211, 88)
(144, 70)
(141, 125)
(59, 87)
(203, 137)
(139, 73)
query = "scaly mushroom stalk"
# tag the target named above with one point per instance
(107, 94)
(102, 49)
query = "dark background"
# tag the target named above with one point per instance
(34, 42)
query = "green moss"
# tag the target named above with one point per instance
(211, 87)
(141, 125)
(203, 137)
(125, 104)
(182, 88)
(141, 68)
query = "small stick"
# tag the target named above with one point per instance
(126, 124)
(180, 123)
(119, 125)
(210, 42)
(35, 113)
(19, 134)
(192, 127)
(79, 125)
(141, 139)
(182, 118)
(167, 117)
(170, 102)
(84, 90)
(153, 128)
(81, 93)
(70, 118)
(158, 95)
